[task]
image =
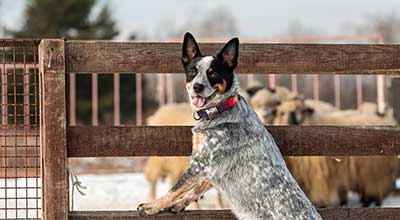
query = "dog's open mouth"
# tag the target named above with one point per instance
(200, 101)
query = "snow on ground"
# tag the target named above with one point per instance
(126, 191)
(122, 192)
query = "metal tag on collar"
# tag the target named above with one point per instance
(211, 112)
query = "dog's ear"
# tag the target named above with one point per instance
(230, 53)
(190, 49)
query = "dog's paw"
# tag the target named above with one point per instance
(178, 207)
(146, 209)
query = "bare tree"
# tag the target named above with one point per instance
(215, 23)
(296, 28)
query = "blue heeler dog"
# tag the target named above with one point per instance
(232, 149)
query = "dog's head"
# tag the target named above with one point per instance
(209, 79)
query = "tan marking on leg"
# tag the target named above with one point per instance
(165, 201)
(192, 196)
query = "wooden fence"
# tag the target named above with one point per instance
(59, 141)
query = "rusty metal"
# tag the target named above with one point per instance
(380, 86)
(161, 89)
(117, 111)
(250, 79)
(20, 188)
(337, 91)
(271, 81)
(72, 99)
(95, 100)
(316, 87)
(170, 88)
(139, 96)
(293, 78)
(359, 91)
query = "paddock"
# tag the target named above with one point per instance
(41, 128)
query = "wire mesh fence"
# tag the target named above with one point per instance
(20, 183)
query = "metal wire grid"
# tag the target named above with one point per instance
(20, 184)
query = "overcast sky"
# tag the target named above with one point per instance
(254, 18)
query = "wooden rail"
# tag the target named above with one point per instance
(327, 214)
(102, 141)
(123, 57)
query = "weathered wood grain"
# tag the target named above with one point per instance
(177, 141)
(327, 214)
(106, 57)
(53, 139)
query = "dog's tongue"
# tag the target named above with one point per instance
(198, 101)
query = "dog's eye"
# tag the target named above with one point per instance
(211, 73)
(191, 72)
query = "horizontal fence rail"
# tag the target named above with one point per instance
(327, 214)
(128, 57)
(103, 141)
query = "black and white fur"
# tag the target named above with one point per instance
(237, 154)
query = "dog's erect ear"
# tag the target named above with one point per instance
(229, 54)
(190, 49)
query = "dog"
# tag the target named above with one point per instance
(233, 150)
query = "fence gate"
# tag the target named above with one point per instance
(20, 183)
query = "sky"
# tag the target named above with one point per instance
(255, 18)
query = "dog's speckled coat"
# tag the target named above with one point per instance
(236, 153)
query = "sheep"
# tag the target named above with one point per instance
(264, 101)
(319, 106)
(371, 177)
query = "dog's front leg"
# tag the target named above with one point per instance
(192, 196)
(192, 176)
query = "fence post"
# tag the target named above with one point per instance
(53, 153)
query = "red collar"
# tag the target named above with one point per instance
(211, 112)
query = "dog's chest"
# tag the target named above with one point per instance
(219, 148)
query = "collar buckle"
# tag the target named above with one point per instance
(213, 111)
(196, 118)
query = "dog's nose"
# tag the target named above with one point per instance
(197, 87)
